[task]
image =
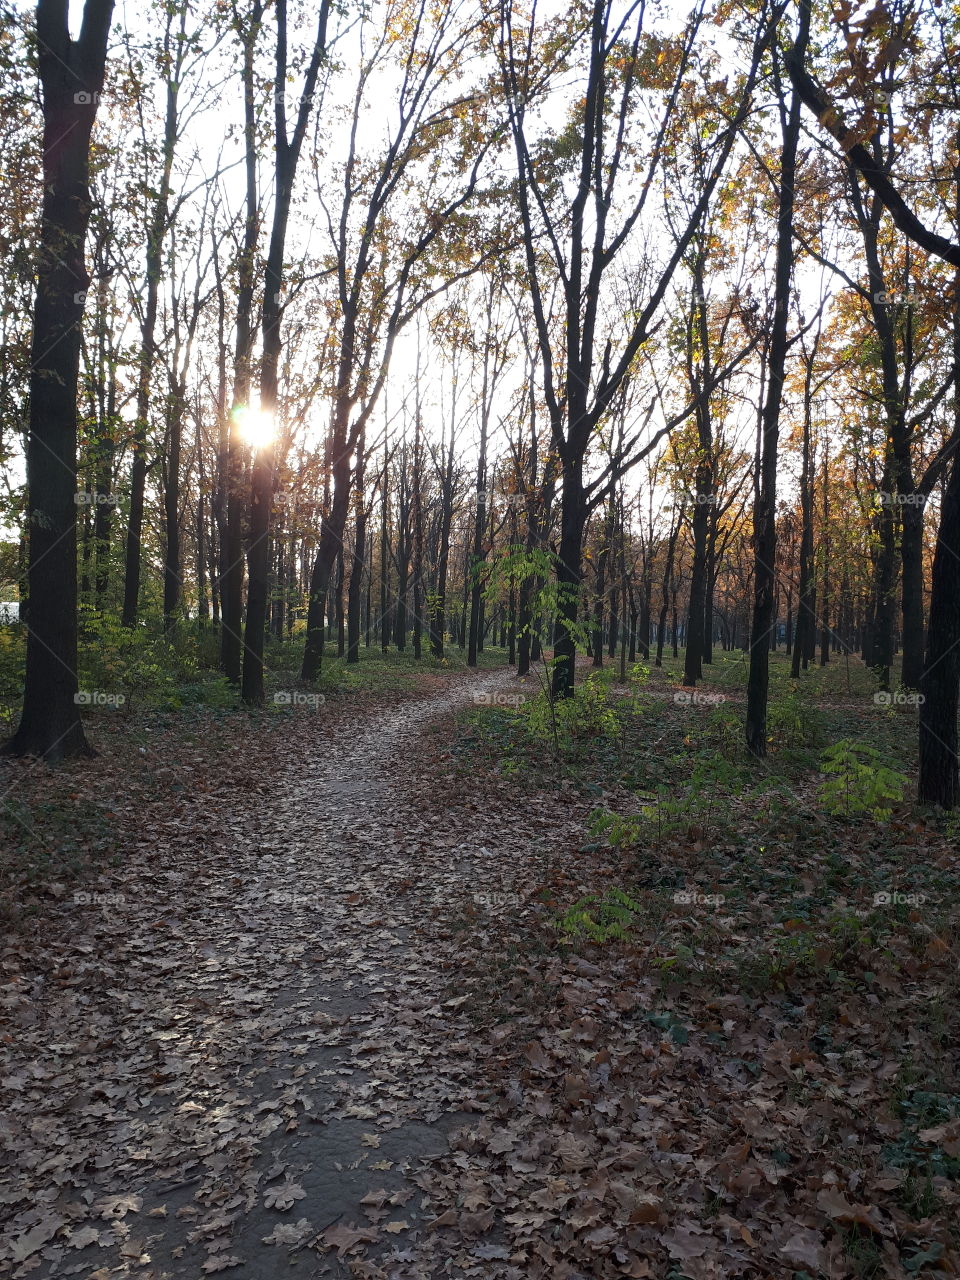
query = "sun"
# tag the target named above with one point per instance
(256, 426)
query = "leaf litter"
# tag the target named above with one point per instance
(324, 950)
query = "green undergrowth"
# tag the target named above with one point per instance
(147, 670)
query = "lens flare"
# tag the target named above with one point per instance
(255, 426)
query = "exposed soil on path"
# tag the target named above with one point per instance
(230, 1054)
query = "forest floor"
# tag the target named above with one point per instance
(422, 984)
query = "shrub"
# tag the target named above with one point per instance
(861, 781)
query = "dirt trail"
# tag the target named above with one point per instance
(253, 1039)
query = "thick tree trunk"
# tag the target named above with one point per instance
(573, 517)
(71, 73)
(885, 592)
(939, 776)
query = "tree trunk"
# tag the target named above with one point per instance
(693, 657)
(71, 73)
(573, 517)
(805, 619)
(156, 231)
(231, 550)
(765, 526)
(939, 776)
(172, 590)
(911, 555)
(286, 156)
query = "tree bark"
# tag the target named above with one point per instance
(156, 231)
(287, 155)
(231, 550)
(765, 527)
(71, 75)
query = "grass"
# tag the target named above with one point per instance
(805, 891)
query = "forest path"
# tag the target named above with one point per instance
(259, 1031)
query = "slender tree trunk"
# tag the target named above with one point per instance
(438, 620)
(156, 231)
(286, 157)
(765, 526)
(599, 600)
(358, 558)
(231, 550)
(261, 478)
(474, 643)
(693, 657)
(384, 575)
(884, 591)
(203, 599)
(339, 605)
(826, 600)
(356, 586)
(172, 589)
(805, 617)
(911, 555)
